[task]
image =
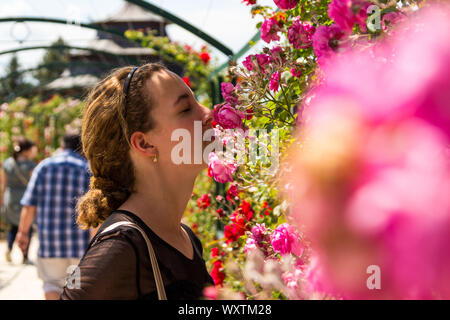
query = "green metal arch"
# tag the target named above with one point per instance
(66, 22)
(68, 47)
(54, 65)
(159, 11)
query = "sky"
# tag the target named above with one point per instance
(229, 21)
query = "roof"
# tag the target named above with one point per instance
(112, 47)
(69, 81)
(133, 13)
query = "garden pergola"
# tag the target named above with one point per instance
(214, 77)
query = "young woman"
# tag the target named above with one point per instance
(128, 121)
(16, 173)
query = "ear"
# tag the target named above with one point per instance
(141, 144)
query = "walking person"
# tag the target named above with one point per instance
(137, 193)
(16, 173)
(55, 185)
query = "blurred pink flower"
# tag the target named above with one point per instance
(347, 13)
(290, 279)
(211, 292)
(390, 19)
(327, 42)
(250, 244)
(286, 4)
(371, 181)
(300, 34)
(221, 170)
(269, 30)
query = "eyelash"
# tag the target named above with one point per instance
(186, 110)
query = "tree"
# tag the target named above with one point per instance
(52, 62)
(13, 82)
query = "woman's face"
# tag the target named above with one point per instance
(179, 123)
(31, 153)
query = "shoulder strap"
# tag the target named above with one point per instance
(151, 253)
(19, 174)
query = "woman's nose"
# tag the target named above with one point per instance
(208, 117)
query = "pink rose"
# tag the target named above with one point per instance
(269, 30)
(250, 244)
(259, 232)
(296, 72)
(285, 239)
(261, 59)
(228, 93)
(326, 42)
(275, 81)
(248, 63)
(222, 171)
(300, 34)
(227, 117)
(232, 192)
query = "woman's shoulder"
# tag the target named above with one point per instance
(7, 163)
(120, 232)
(107, 269)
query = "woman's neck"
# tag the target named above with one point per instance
(161, 203)
(21, 157)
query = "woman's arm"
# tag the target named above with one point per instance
(3, 182)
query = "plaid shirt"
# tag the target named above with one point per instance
(54, 187)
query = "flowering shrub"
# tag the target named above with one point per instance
(44, 122)
(361, 120)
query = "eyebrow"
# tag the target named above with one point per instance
(181, 97)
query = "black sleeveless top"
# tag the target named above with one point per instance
(116, 265)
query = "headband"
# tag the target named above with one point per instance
(128, 81)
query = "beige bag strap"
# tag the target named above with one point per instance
(151, 253)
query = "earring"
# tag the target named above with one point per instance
(155, 159)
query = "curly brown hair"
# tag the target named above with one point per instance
(108, 122)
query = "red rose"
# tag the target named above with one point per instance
(232, 192)
(204, 201)
(214, 252)
(217, 274)
(233, 232)
(205, 57)
(187, 81)
(246, 210)
(220, 212)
